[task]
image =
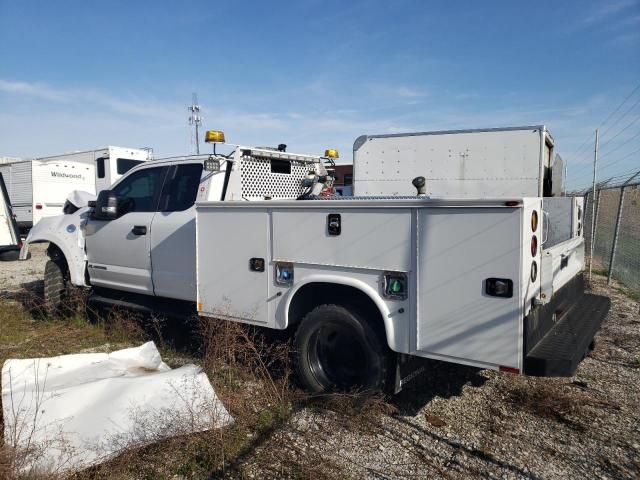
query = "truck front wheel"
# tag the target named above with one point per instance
(55, 286)
(337, 349)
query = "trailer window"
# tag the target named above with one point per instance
(100, 167)
(181, 187)
(123, 165)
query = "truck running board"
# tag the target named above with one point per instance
(107, 299)
(560, 351)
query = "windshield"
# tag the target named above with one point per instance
(126, 164)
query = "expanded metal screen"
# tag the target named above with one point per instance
(263, 178)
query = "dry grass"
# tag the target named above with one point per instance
(565, 405)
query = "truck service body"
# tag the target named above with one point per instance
(365, 282)
(496, 162)
(39, 187)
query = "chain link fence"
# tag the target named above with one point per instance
(616, 236)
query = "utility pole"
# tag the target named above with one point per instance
(593, 203)
(195, 119)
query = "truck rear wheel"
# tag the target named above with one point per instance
(55, 286)
(337, 349)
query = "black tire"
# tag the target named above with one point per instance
(336, 349)
(9, 255)
(55, 286)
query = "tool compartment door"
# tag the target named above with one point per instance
(226, 240)
(458, 250)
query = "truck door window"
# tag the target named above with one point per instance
(181, 187)
(143, 187)
(123, 165)
(100, 167)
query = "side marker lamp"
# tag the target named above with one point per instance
(284, 274)
(394, 286)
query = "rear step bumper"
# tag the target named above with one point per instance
(567, 342)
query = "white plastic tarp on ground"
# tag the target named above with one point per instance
(69, 412)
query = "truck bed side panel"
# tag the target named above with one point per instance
(369, 238)
(458, 249)
(226, 242)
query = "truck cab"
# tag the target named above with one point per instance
(140, 235)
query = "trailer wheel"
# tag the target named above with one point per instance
(55, 286)
(337, 349)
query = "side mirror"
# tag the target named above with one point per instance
(109, 206)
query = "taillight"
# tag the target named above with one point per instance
(534, 221)
(534, 271)
(534, 246)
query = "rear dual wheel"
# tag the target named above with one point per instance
(338, 349)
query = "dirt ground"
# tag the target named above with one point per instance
(451, 422)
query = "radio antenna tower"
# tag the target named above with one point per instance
(195, 119)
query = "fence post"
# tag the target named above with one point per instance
(593, 205)
(595, 222)
(615, 236)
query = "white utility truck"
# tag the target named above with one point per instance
(9, 234)
(363, 284)
(39, 187)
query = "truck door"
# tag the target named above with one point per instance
(173, 234)
(118, 251)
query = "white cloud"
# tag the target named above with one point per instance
(36, 90)
(607, 10)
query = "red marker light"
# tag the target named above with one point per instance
(509, 369)
(38, 206)
(534, 246)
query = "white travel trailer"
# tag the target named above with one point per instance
(39, 187)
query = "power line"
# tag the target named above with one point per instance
(621, 145)
(623, 158)
(607, 165)
(615, 175)
(585, 143)
(618, 120)
(633, 122)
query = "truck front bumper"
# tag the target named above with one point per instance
(559, 335)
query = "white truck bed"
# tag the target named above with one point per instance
(447, 248)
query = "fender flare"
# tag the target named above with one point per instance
(370, 292)
(76, 263)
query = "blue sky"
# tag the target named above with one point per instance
(314, 74)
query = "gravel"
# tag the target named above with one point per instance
(460, 422)
(24, 274)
